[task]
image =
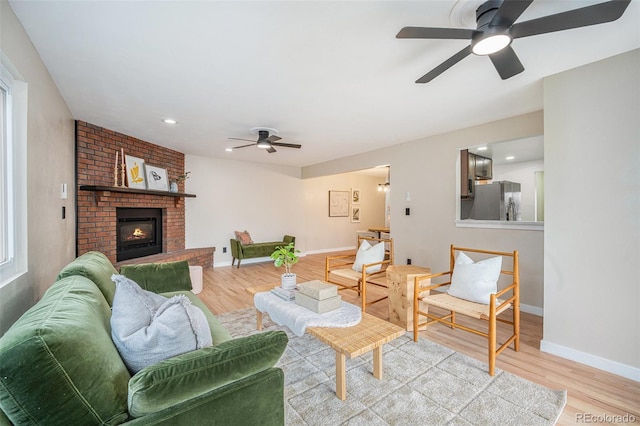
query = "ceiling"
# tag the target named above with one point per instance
(328, 75)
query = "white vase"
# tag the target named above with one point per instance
(173, 187)
(288, 281)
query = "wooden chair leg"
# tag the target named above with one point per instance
(492, 341)
(516, 327)
(364, 297)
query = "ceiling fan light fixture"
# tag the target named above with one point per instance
(491, 44)
(264, 144)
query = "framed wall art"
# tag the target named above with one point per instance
(135, 172)
(156, 178)
(355, 196)
(355, 214)
(338, 203)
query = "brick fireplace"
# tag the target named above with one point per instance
(97, 210)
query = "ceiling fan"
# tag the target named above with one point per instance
(496, 29)
(266, 140)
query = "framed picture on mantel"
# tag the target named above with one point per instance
(156, 178)
(135, 172)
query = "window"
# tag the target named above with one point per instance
(13, 213)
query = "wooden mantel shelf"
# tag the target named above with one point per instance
(105, 190)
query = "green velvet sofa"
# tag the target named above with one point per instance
(59, 366)
(248, 251)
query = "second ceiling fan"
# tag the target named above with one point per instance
(496, 28)
(266, 140)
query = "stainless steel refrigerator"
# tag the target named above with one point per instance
(497, 201)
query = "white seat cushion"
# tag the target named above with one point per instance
(475, 281)
(368, 254)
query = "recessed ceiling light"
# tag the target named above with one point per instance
(169, 121)
(229, 149)
(510, 157)
(482, 148)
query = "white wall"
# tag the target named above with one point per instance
(426, 169)
(592, 217)
(50, 163)
(269, 202)
(234, 196)
(323, 232)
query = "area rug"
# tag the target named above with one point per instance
(423, 383)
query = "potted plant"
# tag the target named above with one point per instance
(174, 183)
(286, 256)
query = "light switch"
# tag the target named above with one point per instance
(63, 191)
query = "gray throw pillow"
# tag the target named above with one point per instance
(147, 328)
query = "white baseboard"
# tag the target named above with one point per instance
(331, 249)
(530, 309)
(249, 261)
(591, 360)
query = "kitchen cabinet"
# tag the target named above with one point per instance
(467, 174)
(483, 167)
(473, 167)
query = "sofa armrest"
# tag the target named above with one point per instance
(289, 239)
(236, 248)
(193, 374)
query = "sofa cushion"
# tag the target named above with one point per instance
(193, 374)
(148, 328)
(218, 333)
(58, 365)
(160, 277)
(98, 268)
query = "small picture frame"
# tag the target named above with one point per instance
(355, 196)
(338, 203)
(355, 214)
(135, 172)
(156, 178)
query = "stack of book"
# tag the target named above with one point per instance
(318, 296)
(287, 295)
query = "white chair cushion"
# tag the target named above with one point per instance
(368, 254)
(475, 281)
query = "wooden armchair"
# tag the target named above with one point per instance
(339, 271)
(508, 297)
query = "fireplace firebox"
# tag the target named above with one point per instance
(138, 232)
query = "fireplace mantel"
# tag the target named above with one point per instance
(104, 192)
(126, 190)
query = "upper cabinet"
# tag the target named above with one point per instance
(483, 167)
(473, 167)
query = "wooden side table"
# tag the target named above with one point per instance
(400, 279)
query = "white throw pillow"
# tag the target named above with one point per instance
(368, 254)
(147, 328)
(475, 281)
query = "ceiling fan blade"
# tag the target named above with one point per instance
(287, 145)
(445, 65)
(507, 63)
(243, 146)
(435, 33)
(273, 138)
(509, 12)
(271, 150)
(591, 15)
(240, 139)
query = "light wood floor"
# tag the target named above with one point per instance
(590, 390)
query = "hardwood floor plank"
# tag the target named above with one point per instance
(590, 390)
